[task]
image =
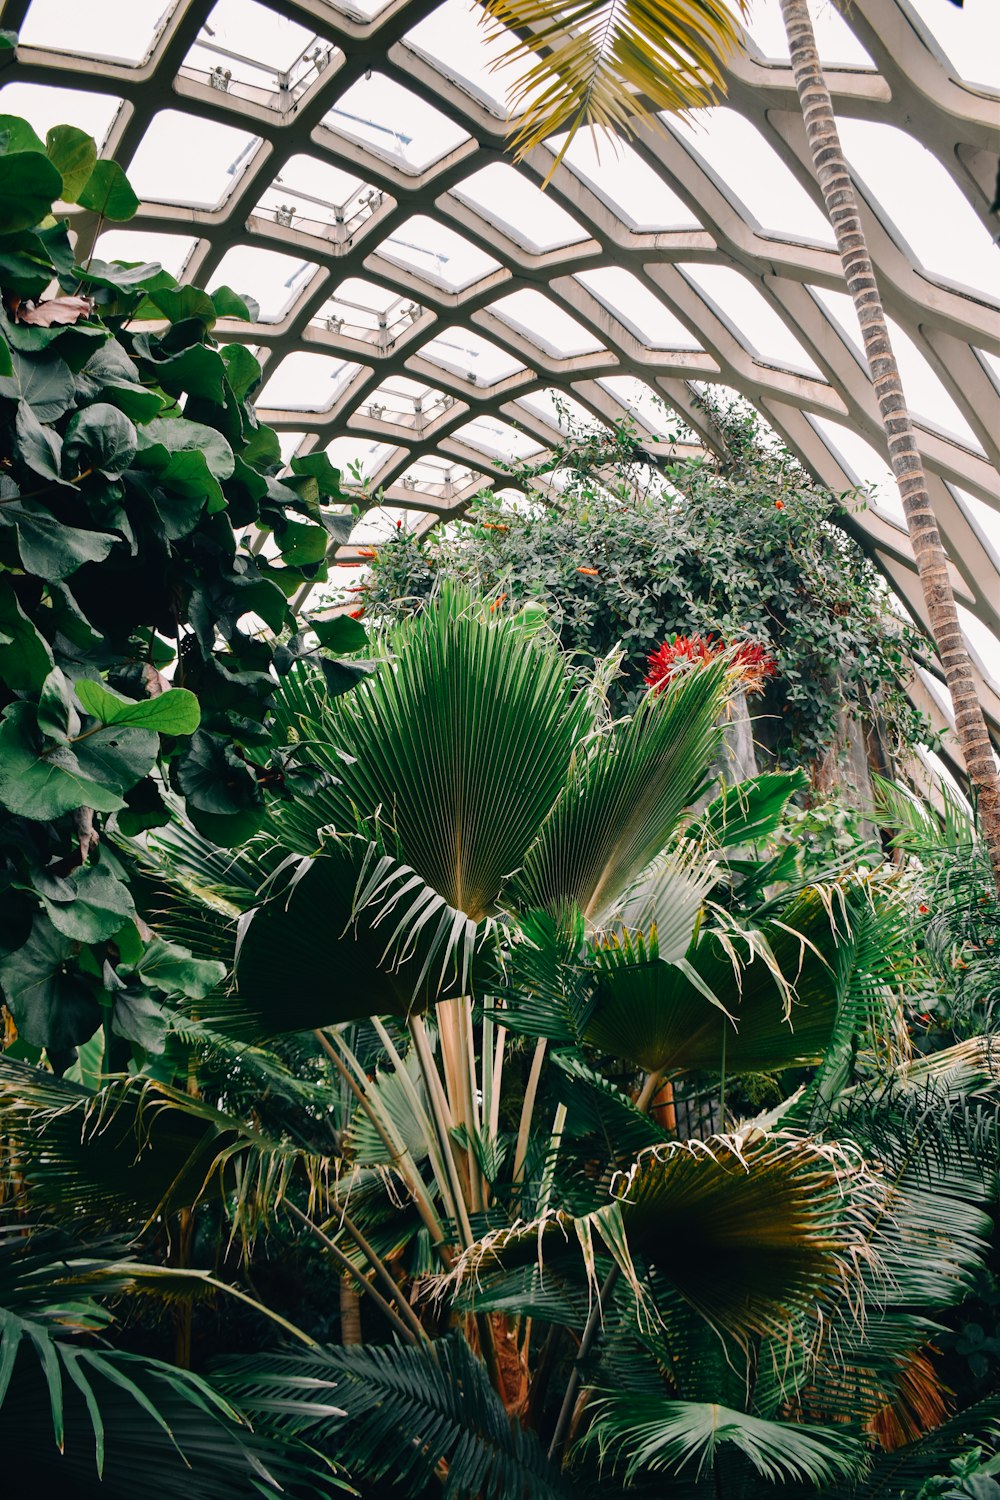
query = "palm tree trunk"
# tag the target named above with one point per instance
(835, 182)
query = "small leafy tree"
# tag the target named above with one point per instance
(747, 549)
(133, 665)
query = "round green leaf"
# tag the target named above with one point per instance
(94, 905)
(101, 438)
(46, 385)
(20, 136)
(25, 656)
(40, 781)
(51, 1005)
(109, 193)
(73, 154)
(29, 185)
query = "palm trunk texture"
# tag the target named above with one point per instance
(835, 182)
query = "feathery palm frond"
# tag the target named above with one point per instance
(646, 1431)
(598, 62)
(77, 1151)
(411, 1413)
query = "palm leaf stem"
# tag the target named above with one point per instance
(440, 1112)
(347, 1265)
(399, 1155)
(528, 1108)
(439, 1145)
(646, 1096)
(382, 1271)
(441, 1116)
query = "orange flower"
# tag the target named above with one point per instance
(588, 572)
(497, 603)
(779, 504)
(356, 614)
(367, 552)
(923, 910)
(493, 526)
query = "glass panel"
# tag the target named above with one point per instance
(243, 42)
(187, 160)
(455, 35)
(358, 458)
(651, 408)
(834, 38)
(498, 439)
(471, 357)
(925, 394)
(763, 182)
(44, 107)
(863, 464)
(638, 308)
(171, 251)
(752, 319)
(547, 325)
(437, 253)
(274, 281)
(508, 199)
(626, 182)
(948, 238)
(969, 37)
(384, 115)
(561, 411)
(306, 382)
(99, 28)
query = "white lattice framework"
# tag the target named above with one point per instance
(603, 290)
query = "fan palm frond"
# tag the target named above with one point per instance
(642, 1431)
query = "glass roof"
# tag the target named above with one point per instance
(427, 313)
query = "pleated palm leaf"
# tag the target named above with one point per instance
(471, 778)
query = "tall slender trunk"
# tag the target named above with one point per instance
(834, 178)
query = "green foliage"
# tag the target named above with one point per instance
(748, 548)
(133, 464)
(454, 1423)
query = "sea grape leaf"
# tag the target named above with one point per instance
(109, 193)
(73, 153)
(175, 711)
(52, 1005)
(100, 437)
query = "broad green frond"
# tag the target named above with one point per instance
(638, 1431)
(610, 63)
(624, 799)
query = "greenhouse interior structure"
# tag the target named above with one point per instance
(500, 749)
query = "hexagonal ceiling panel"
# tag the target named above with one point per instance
(422, 302)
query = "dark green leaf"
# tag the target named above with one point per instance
(340, 634)
(229, 304)
(52, 1005)
(108, 193)
(99, 438)
(74, 155)
(49, 548)
(89, 905)
(19, 134)
(29, 184)
(177, 303)
(25, 655)
(170, 968)
(318, 466)
(37, 446)
(42, 781)
(46, 385)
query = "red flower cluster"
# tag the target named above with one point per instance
(750, 661)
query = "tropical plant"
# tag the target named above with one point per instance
(539, 980)
(624, 554)
(129, 665)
